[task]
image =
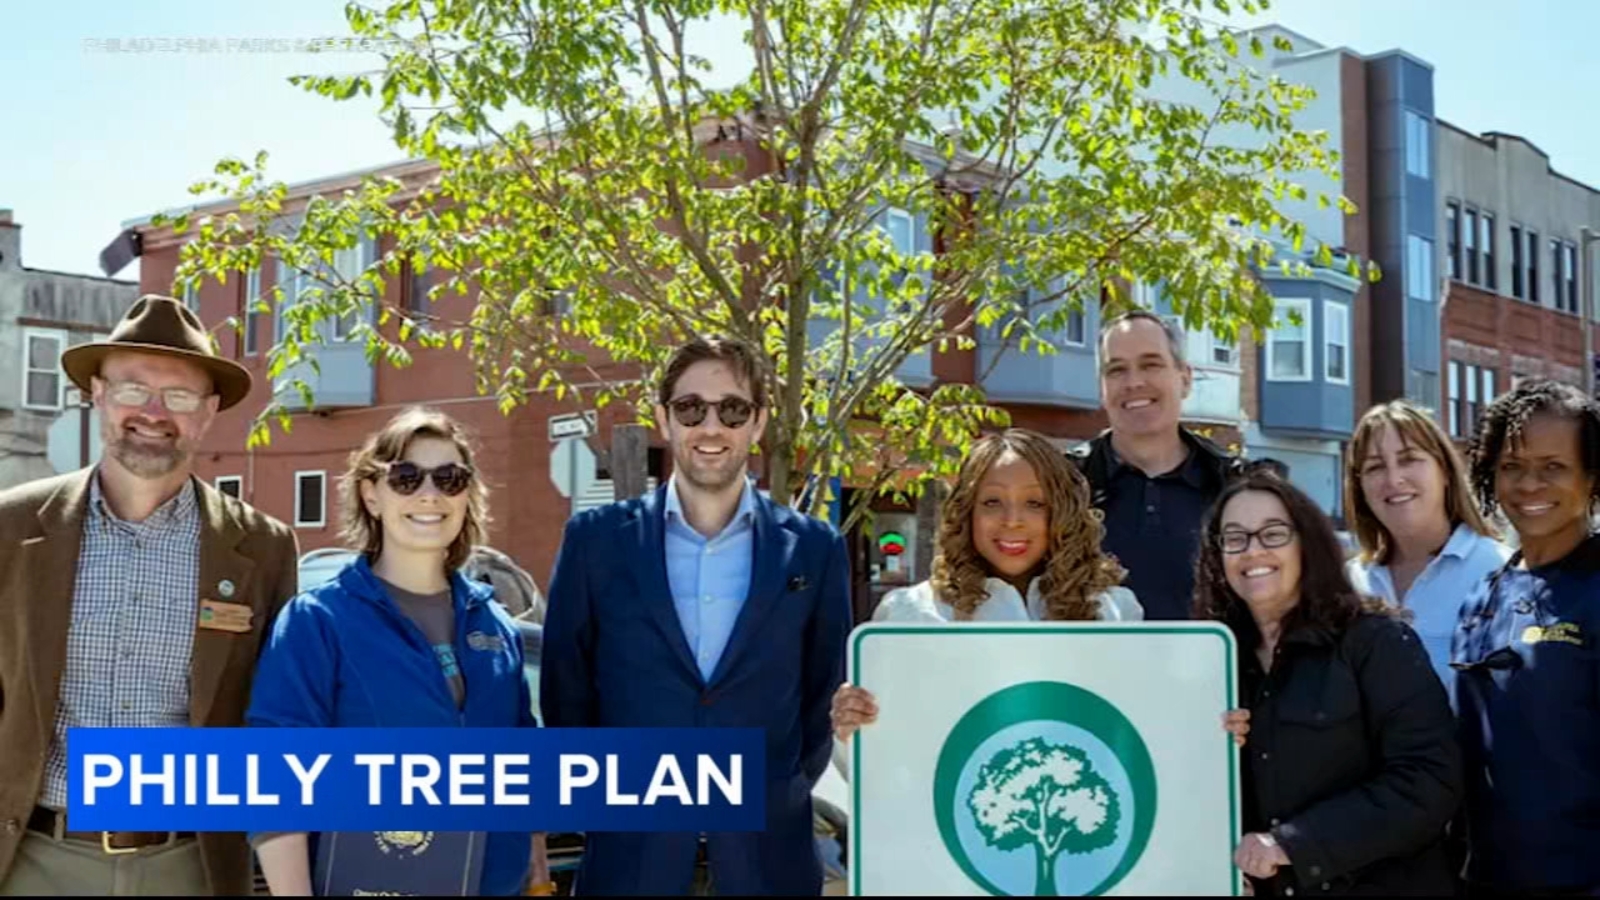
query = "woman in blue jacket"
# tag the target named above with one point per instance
(1525, 649)
(399, 638)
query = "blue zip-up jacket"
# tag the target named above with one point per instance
(344, 655)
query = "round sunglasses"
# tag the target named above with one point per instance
(406, 477)
(690, 411)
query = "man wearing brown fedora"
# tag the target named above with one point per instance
(131, 594)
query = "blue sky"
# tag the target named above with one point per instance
(92, 138)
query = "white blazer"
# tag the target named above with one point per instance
(918, 604)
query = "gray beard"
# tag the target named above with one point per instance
(144, 461)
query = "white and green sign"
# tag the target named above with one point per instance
(1079, 759)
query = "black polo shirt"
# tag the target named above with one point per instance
(1153, 529)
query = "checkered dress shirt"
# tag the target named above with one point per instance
(133, 620)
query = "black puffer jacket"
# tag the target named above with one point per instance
(1352, 762)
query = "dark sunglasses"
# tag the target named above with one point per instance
(406, 477)
(732, 411)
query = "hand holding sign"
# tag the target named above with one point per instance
(852, 708)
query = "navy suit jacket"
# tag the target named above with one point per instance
(615, 656)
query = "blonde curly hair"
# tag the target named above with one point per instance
(1075, 571)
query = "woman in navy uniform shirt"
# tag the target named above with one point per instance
(1526, 652)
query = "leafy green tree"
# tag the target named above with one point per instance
(1047, 796)
(601, 194)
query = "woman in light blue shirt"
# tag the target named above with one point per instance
(1424, 543)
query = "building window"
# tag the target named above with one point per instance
(231, 485)
(252, 319)
(897, 223)
(1422, 388)
(1336, 342)
(1419, 268)
(1224, 352)
(1454, 406)
(417, 295)
(310, 494)
(349, 263)
(1075, 330)
(1289, 344)
(191, 297)
(1452, 233)
(43, 383)
(1570, 272)
(1533, 267)
(1472, 389)
(1516, 262)
(1486, 243)
(1472, 246)
(1417, 145)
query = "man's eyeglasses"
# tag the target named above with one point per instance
(732, 411)
(1237, 540)
(134, 394)
(406, 477)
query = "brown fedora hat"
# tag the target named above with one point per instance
(156, 324)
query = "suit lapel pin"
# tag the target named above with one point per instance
(225, 588)
(798, 583)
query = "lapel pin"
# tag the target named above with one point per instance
(225, 588)
(798, 583)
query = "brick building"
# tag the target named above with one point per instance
(1512, 264)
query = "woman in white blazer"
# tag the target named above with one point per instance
(1019, 541)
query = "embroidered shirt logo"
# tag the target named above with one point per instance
(1564, 632)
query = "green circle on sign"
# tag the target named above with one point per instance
(1055, 702)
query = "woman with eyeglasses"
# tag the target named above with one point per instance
(1352, 772)
(1018, 541)
(1528, 668)
(400, 638)
(1424, 544)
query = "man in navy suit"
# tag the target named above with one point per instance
(704, 604)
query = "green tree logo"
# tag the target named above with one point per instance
(1036, 787)
(1049, 796)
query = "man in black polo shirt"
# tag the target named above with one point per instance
(1153, 479)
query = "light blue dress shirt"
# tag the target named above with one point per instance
(1437, 594)
(709, 577)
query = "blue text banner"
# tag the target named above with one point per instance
(441, 779)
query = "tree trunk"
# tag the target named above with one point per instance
(1046, 884)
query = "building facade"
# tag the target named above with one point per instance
(296, 477)
(45, 426)
(1511, 267)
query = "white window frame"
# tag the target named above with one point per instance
(1418, 145)
(62, 382)
(299, 520)
(1215, 342)
(237, 480)
(1282, 306)
(1335, 337)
